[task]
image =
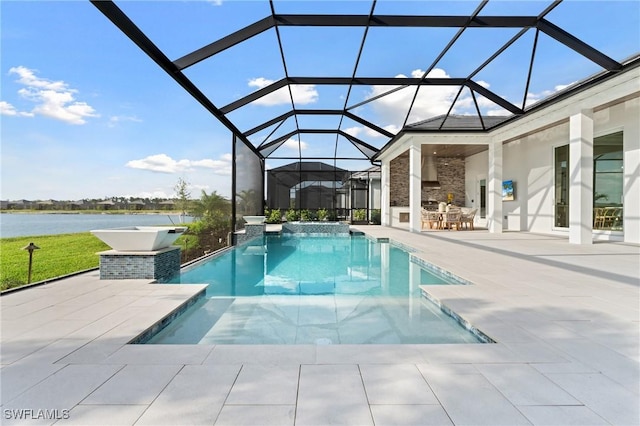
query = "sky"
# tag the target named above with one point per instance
(84, 113)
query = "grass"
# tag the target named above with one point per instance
(58, 255)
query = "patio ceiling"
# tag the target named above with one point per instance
(339, 80)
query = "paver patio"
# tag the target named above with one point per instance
(566, 319)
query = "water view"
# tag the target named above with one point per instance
(27, 224)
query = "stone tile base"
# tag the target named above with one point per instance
(152, 265)
(315, 228)
(250, 232)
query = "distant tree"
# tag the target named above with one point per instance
(210, 205)
(247, 202)
(182, 194)
(212, 213)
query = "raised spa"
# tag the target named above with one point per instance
(140, 238)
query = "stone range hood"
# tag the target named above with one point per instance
(429, 172)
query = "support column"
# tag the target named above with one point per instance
(415, 187)
(494, 188)
(385, 193)
(581, 178)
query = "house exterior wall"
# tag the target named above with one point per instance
(528, 158)
(399, 180)
(528, 161)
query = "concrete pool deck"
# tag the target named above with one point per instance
(566, 319)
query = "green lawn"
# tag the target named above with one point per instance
(58, 255)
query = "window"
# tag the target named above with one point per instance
(483, 198)
(608, 181)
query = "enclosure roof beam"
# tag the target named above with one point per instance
(271, 122)
(578, 45)
(224, 43)
(271, 21)
(359, 143)
(367, 81)
(368, 124)
(281, 139)
(254, 96)
(494, 98)
(404, 21)
(122, 22)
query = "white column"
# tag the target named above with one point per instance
(631, 185)
(581, 178)
(385, 193)
(415, 187)
(494, 187)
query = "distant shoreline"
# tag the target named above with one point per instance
(26, 223)
(114, 212)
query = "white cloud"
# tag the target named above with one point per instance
(53, 99)
(162, 163)
(215, 2)
(430, 102)
(293, 144)
(536, 97)
(114, 120)
(357, 130)
(7, 109)
(302, 93)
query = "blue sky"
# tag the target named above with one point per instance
(86, 114)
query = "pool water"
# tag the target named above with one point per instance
(313, 290)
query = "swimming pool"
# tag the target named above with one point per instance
(313, 290)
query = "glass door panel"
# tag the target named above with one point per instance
(561, 186)
(608, 180)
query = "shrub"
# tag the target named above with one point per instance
(291, 215)
(376, 216)
(274, 216)
(359, 214)
(305, 215)
(323, 214)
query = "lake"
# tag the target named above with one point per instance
(26, 224)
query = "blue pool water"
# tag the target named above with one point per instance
(313, 290)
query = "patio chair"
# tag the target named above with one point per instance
(606, 217)
(451, 218)
(598, 217)
(467, 218)
(431, 218)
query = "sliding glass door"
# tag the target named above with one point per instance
(608, 179)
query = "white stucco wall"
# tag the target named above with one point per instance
(528, 161)
(528, 150)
